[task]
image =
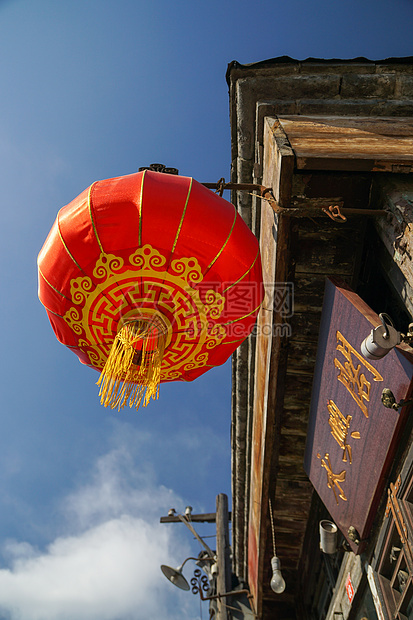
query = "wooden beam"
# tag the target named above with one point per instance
(271, 351)
(223, 556)
(351, 143)
(208, 517)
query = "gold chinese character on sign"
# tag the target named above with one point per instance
(351, 375)
(340, 426)
(333, 480)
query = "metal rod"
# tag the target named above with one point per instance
(304, 211)
(211, 558)
(219, 596)
(251, 187)
(266, 194)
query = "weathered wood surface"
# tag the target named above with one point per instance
(399, 282)
(290, 470)
(291, 447)
(292, 500)
(279, 161)
(353, 188)
(271, 354)
(295, 421)
(309, 292)
(333, 251)
(305, 326)
(301, 359)
(285, 525)
(223, 555)
(360, 143)
(396, 230)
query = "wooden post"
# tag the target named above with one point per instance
(223, 555)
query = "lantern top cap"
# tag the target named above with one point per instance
(159, 168)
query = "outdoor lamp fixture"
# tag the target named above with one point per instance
(277, 582)
(328, 537)
(175, 576)
(384, 338)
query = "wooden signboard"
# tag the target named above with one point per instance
(352, 437)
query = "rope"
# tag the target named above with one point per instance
(272, 526)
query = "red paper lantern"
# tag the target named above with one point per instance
(150, 277)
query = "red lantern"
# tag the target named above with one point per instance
(150, 277)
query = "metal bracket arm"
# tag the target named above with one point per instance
(334, 211)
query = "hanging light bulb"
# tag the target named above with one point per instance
(277, 582)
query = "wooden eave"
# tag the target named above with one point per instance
(303, 251)
(350, 143)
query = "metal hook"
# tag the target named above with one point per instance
(220, 187)
(382, 317)
(334, 213)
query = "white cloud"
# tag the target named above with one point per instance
(106, 564)
(118, 485)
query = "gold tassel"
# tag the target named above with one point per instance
(132, 374)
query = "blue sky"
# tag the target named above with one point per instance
(90, 90)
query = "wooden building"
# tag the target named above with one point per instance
(333, 140)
